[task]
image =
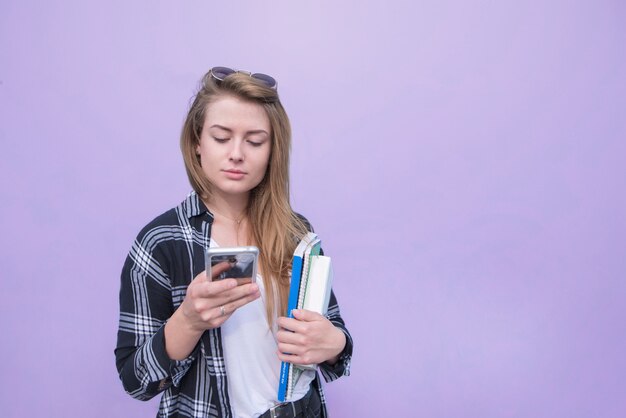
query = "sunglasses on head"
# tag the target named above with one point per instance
(220, 73)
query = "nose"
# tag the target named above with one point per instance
(236, 152)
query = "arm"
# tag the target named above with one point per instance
(145, 305)
(332, 370)
(312, 338)
(157, 345)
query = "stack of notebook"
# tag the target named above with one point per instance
(311, 280)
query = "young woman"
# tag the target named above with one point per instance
(215, 347)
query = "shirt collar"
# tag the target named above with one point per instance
(194, 206)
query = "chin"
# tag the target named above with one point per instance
(234, 190)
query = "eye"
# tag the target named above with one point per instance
(220, 140)
(255, 144)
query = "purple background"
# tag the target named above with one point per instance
(464, 162)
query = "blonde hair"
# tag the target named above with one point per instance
(273, 226)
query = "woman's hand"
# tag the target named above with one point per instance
(207, 304)
(309, 338)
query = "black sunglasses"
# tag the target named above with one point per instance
(220, 73)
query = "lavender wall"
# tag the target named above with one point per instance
(462, 160)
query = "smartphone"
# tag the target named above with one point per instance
(243, 263)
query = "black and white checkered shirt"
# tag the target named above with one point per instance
(167, 254)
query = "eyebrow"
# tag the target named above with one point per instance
(254, 131)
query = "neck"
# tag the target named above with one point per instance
(229, 207)
(230, 227)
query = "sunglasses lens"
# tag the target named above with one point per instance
(268, 80)
(221, 72)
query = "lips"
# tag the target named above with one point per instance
(234, 174)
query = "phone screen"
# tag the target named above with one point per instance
(242, 264)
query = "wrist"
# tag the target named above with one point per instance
(185, 323)
(180, 336)
(340, 345)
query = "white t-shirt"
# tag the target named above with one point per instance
(252, 365)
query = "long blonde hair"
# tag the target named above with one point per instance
(273, 226)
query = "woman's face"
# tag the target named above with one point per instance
(235, 145)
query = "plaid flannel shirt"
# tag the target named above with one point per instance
(167, 254)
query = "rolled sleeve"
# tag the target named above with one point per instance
(157, 367)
